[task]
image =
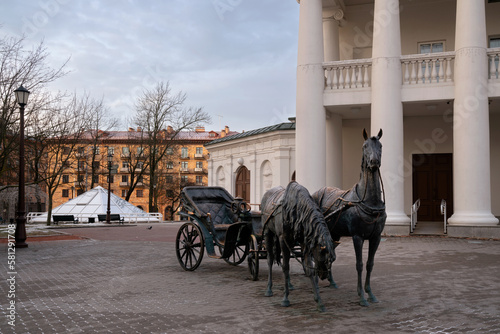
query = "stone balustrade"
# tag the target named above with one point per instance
(348, 74)
(493, 57)
(428, 68)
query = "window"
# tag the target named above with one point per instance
(81, 165)
(199, 179)
(170, 179)
(81, 150)
(170, 150)
(96, 164)
(140, 179)
(139, 193)
(79, 192)
(140, 150)
(184, 179)
(184, 153)
(96, 179)
(140, 164)
(96, 150)
(184, 165)
(494, 42)
(170, 165)
(199, 164)
(65, 193)
(125, 151)
(431, 47)
(80, 178)
(66, 150)
(124, 193)
(199, 150)
(124, 178)
(65, 178)
(111, 150)
(111, 179)
(125, 164)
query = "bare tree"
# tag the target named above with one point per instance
(53, 143)
(29, 68)
(157, 110)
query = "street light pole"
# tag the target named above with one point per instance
(110, 165)
(20, 234)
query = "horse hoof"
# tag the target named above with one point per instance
(285, 303)
(333, 285)
(291, 287)
(373, 300)
(321, 308)
(268, 294)
(364, 303)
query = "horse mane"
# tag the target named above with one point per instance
(304, 219)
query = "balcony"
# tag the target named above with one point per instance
(125, 184)
(198, 170)
(125, 155)
(198, 155)
(425, 77)
(184, 170)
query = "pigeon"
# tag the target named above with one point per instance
(150, 227)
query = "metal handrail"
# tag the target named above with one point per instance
(443, 212)
(413, 216)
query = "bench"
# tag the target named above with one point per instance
(64, 218)
(112, 217)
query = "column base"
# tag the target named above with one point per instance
(483, 232)
(397, 224)
(472, 219)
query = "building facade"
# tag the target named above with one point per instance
(250, 163)
(427, 73)
(184, 164)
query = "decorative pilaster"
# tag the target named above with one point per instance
(310, 113)
(387, 109)
(471, 144)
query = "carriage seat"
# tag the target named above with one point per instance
(221, 215)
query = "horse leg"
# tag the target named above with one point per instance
(358, 248)
(330, 275)
(372, 249)
(286, 272)
(315, 287)
(270, 260)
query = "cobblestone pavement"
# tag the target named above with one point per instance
(424, 284)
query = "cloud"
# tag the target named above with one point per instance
(236, 58)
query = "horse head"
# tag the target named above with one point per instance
(322, 258)
(372, 151)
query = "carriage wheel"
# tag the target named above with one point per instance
(238, 256)
(189, 246)
(253, 257)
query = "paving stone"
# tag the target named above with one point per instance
(424, 284)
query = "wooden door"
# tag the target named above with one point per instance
(243, 184)
(432, 182)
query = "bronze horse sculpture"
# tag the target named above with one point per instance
(290, 217)
(358, 212)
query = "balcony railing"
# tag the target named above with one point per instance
(348, 74)
(429, 68)
(493, 57)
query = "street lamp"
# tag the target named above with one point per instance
(22, 95)
(110, 166)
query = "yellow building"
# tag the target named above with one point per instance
(182, 162)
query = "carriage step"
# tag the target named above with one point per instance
(215, 256)
(221, 227)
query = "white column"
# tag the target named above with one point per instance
(387, 108)
(310, 113)
(471, 145)
(333, 121)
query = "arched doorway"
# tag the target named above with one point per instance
(243, 184)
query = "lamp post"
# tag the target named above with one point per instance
(110, 166)
(22, 95)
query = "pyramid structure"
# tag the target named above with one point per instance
(95, 202)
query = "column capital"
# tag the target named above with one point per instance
(335, 14)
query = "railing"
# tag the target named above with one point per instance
(413, 215)
(428, 68)
(348, 74)
(443, 212)
(84, 217)
(493, 58)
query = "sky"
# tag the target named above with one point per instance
(234, 58)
